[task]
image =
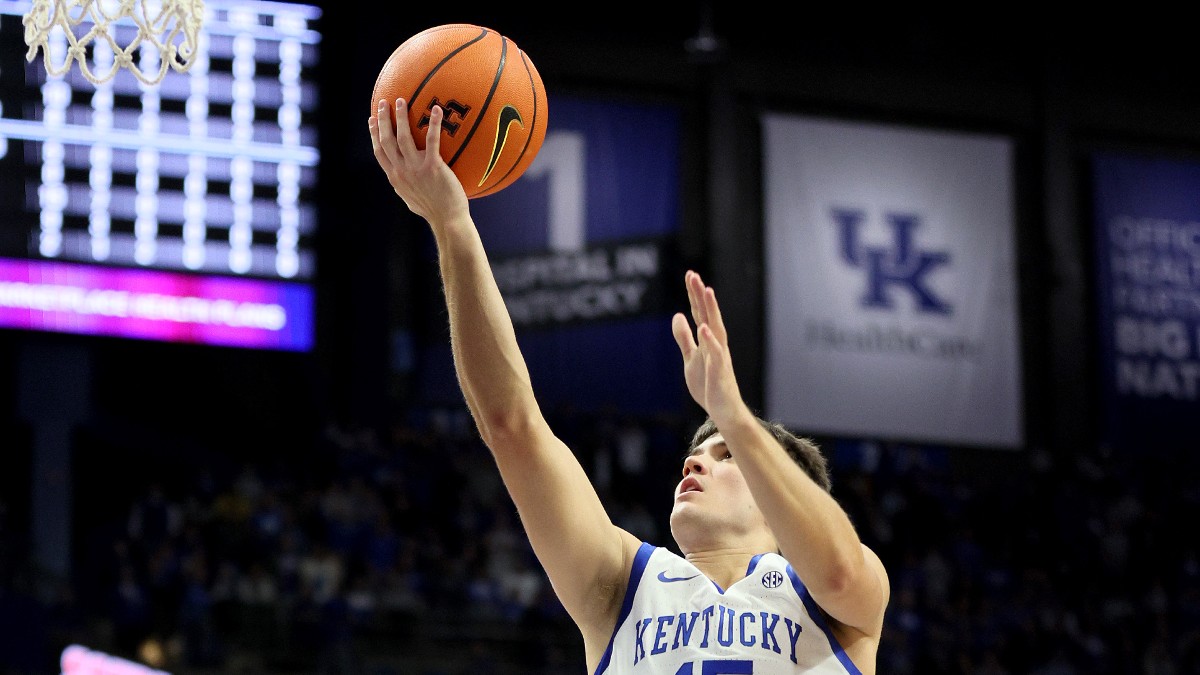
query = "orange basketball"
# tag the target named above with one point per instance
(491, 93)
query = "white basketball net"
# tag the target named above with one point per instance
(161, 24)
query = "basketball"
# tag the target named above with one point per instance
(492, 97)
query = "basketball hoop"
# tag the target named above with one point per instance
(160, 24)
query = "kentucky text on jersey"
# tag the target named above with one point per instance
(714, 625)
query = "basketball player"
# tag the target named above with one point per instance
(774, 578)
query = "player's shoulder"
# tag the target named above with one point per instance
(770, 560)
(661, 556)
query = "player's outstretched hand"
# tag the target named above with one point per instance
(421, 177)
(707, 367)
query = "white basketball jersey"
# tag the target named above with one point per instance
(676, 621)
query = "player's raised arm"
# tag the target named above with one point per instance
(812, 530)
(586, 557)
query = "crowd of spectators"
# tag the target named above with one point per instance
(400, 551)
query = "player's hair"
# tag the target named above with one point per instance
(802, 450)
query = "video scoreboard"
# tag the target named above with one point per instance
(180, 211)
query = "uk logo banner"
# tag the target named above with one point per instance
(891, 282)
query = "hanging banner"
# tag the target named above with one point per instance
(583, 247)
(1147, 234)
(891, 287)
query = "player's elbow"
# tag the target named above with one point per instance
(504, 427)
(853, 593)
(844, 574)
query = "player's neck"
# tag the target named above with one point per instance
(725, 566)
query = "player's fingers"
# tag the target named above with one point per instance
(433, 135)
(714, 351)
(716, 363)
(373, 128)
(683, 336)
(404, 139)
(386, 137)
(713, 311)
(694, 290)
(387, 161)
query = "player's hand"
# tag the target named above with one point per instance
(421, 177)
(707, 367)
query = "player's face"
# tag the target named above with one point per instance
(713, 490)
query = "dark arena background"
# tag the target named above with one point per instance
(959, 250)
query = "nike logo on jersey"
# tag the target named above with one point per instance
(662, 576)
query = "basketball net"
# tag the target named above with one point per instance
(161, 24)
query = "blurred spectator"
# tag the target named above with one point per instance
(321, 573)
(154, 519)
(1051, 566)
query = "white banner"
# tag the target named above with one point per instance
(891, 283)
